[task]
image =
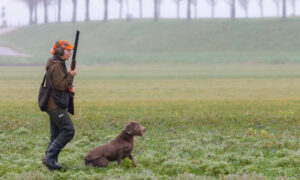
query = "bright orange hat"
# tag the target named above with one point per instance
(62, 44)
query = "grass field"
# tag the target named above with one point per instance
(204, 121)
(220, 99)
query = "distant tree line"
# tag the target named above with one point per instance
(232, 5)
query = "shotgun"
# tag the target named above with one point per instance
(73, 66)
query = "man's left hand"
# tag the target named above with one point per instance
(72, 90)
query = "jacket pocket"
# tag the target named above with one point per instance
(61, 98)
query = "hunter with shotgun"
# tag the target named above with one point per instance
(56, 98)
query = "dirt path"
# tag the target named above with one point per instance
(6, 51)
(5, 30)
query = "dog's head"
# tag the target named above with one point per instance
(135, 129)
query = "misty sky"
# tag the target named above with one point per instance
(17, 12)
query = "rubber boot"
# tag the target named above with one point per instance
(50, 159)
(45, 158)
(56, 157)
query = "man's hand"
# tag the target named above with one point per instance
(73, 72)
(73, 90)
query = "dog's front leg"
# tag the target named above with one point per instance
(120, 155)
(133, 162)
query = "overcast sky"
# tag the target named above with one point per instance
(17, 12)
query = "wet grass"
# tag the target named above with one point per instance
(204, 122)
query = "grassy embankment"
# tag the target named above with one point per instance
(168, 41)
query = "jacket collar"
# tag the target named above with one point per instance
(57, 59)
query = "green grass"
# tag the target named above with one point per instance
(169, 41)
(220, 99)
(205, 121)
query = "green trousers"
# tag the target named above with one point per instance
(61, 127)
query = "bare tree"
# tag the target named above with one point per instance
(3, 14)
(30, 4)
(159, 7)
(261, 7)
(277, 3)
(195, 4)
(87, 10)
(46, 3)
(293, 4)
(213, 4)
(244, 5)
(188, 9)
(141, 8)
(121, 8)
(105, 17)
(36, 2)
(127, 9)
(283, 9)
(128, 14)
(177, 7)
(59, 11)
(74, 10)
(156, 9)
(231, 4)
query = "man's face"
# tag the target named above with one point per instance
(67, 54)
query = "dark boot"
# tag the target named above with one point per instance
(45, 162)
(56, 157)
(52, 154)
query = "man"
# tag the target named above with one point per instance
(61, 126)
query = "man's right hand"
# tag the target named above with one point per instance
(73, 72)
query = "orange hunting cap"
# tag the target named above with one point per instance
(62, 44)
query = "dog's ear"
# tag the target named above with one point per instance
(129, 128)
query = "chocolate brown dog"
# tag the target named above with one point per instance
(117, 149)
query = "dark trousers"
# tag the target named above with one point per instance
(61, 127)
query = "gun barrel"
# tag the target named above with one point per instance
(73, 64)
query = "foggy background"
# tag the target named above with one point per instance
(17, 11)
